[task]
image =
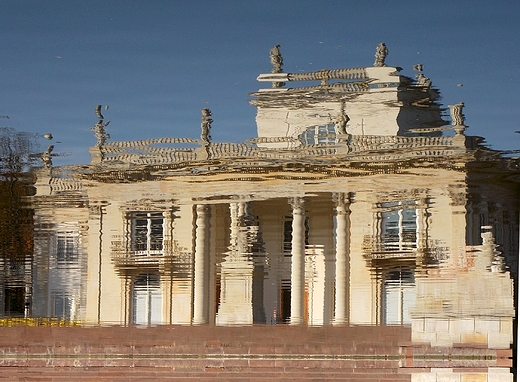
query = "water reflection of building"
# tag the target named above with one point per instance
(372, 101)
(358, 212)
(61, 225)
(16, 222)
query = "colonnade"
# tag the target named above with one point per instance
(242, 271)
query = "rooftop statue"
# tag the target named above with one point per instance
(422, 80)
(341, 121)
(352, 110)
(457, 117)
(379, 101)
(381, 53)
(277, 62)
(276, 59)
(205, 126)
(98, 112)
(99, 128)
(46, 157)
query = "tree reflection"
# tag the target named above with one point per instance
(15, 180)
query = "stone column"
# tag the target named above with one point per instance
(297, 261)
(236, 280)
(341, 308)
(201, 266)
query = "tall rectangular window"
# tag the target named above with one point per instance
(147, 232)
(398, 296)
(399, 226)
(63, 306)
(66, 248)
(147, 300)
(14, 300)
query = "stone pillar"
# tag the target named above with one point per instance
(297, 261)
(341, 308)
(201, 266)
(236, 280)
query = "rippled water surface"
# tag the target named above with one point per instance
(332, 217)
(390, 247)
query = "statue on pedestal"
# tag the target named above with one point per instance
(277, 62)
(46, 157)
(381, 53)
(457, 118)
(422, 80)
(205, 126)
(99, 128)
(340, 123)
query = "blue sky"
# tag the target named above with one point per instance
(157, 63)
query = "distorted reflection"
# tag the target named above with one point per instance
(351, 207)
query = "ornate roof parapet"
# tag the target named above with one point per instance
(373, 143)
(64, 184)
(367, 111)
(145, 151)
(379, 100)
(57, 182)
(304, 96)
(391, 147)
(147, 143)
(367, 77)
(326, 74)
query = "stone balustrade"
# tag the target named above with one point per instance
(385, 148)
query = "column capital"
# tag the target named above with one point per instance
(296, 203)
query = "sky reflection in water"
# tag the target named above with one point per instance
(356, 204)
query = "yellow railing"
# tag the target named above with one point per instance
(37, 321)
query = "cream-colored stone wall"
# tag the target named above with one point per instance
(363, 289)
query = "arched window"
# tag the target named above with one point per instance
(319, 135)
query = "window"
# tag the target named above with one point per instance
(66, 249)
(398, 296)
(14, 301)
(322, 134)
(147, 232)
(147, 300)
(399, 226)
(63, 307)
